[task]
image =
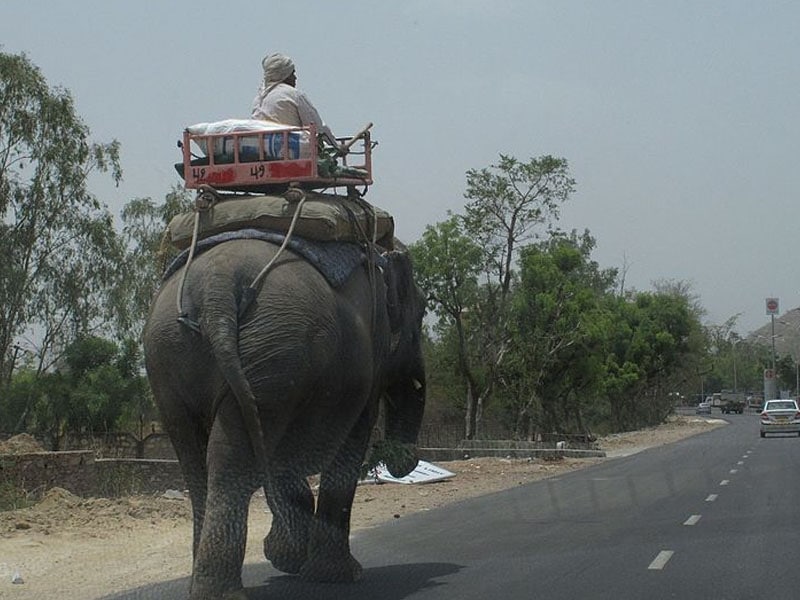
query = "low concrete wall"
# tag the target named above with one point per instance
(37, 472)
(445, 454)
(157, 445)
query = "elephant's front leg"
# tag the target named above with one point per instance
(329, 557)
(292, 505)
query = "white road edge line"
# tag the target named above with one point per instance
(660, 561)
(712, 497)
(724, 482)
(692, 520)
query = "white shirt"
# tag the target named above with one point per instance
(289, 106)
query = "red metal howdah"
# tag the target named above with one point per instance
(245, 164)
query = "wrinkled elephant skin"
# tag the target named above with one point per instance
(290, 388)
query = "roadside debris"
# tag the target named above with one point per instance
(425, 472)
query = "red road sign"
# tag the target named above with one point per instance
(772, 306)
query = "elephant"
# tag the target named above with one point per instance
(267, 390)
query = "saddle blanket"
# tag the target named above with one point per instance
(335, 260)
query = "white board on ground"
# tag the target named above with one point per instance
(424, 473)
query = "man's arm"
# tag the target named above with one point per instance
(309, 115)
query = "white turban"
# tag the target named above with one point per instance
(277, 68)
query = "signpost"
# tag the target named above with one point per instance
(770, 382)
(770, 385)
(772, 306)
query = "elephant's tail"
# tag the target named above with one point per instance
(223, 336)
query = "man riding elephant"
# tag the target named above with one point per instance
(279, 100)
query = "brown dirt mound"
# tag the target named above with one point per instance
(22, 443)
(60, 510)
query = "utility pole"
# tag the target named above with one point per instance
(773, 341)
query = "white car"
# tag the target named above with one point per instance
(704, 408)
(780, 416)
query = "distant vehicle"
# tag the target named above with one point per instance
(704, 408)
(728, 401)
(780, 416)
(732, 406)
(754, 402)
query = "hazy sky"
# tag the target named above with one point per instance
(678, 119)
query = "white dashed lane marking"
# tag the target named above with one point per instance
(661, 559)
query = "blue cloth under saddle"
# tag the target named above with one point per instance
(335, 260)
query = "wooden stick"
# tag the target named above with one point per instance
(346, 146)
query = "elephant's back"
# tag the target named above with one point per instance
(302, 319)
(216, 282)
(295, 318)
(297, 323)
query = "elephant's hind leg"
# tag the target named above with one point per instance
(190, 440)
(292, 505)
(232, 479)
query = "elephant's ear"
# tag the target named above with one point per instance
(406, 303)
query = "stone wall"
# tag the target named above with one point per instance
(118, 477)
(84, 475)
(158, 445)
(37, 472)
(148, 466)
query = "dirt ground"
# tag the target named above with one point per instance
(74, 548)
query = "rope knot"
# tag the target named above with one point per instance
(206, 198)
(294, 194)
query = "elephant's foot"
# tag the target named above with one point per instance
(330, 569)
(285, 555)
(205, 588)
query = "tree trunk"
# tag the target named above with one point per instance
(479, 417)
(469, 413)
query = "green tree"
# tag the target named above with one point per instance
(59, 252)
(509, 204)
(468, 262)
(146, 254)
(559, 330)
(447, 265)
(787, 371)
(95, 388)
(657, 341)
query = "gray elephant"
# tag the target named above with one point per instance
(268, 389)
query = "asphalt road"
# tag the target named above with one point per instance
(712, 517)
